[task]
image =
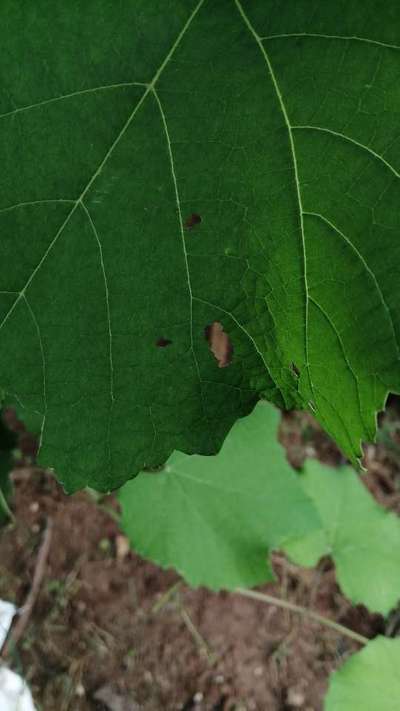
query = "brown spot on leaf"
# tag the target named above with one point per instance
(220, 344)
(193, 220)
(163, 342)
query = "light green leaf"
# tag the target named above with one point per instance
(362, 537)
(279, 128)
(369, 680)
(215, 519)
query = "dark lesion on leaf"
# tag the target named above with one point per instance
(220, 343)
(163, 342)
(193, 220)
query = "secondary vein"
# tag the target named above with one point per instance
(345, 137)
(41, 346)
(107, 296)
(182, 235)
(344, 38)
(365, 265)
(55, 99)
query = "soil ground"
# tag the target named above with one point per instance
(112, 632)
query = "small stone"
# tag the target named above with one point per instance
(295, 698)
(122, 547)
(198, 697)
(80, 690)
(104, 545)
(34, 507)
(258, 671)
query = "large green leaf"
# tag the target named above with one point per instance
(215, 519)
(361, 536)
(276, 124)
(369, 680)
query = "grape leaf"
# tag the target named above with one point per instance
(362, 537)
(169, 165)
(369, 680)
(215, 519)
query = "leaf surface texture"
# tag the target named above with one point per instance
(275, 125)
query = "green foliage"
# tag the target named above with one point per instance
(278, 127)
(361, 536)
(369, 680)
(216, 518)
(168, 165)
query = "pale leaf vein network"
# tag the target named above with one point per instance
(78, 201)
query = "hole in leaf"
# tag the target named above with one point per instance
(163, 342)
(220, 343)
(295, 370)
(193, 220)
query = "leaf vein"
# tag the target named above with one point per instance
(258, 41)
(365, 264)
(106, 157)
(41, 346)
(376, 155)
(55, 99)
(30, 203)
(107, 296)
(185, 256)
(342, 348)
(344, 38)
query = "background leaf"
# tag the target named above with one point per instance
(362, 537)
(369, 680)
(215, 519)
(278, 128)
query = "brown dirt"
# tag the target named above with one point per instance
(112, 632)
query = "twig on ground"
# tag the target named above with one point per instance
(203, 646)
(166, 597)
(18, 629)
(305, 612)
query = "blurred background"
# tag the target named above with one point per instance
(106, 630)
